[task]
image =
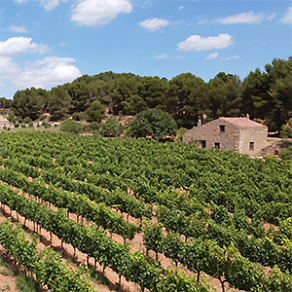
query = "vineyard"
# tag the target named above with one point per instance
(164, 216)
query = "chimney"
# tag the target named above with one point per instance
(247, 116)
(199, 123)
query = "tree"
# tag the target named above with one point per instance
(59, 101)
(224, 96)
(79, 94)
(96, 112)
(153, 91)
(153, 122)
(111, 128)
(186, 99)
(30, 102)
(268, 95)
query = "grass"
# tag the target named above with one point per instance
(5, 288)
(24, 284)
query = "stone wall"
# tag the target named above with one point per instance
(257, 136)
(227, 135)
(228, 138)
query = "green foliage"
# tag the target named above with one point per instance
(175, 281)
(26, 120)
(24, 284)
(181, 132)
(30, 103)
(11, 117)
(16, 125)
(81, 116)
(286, 130)
(96, 112)
(71, 126)
(154, 123)
(111, 128)
(286, 154)
(211, 208)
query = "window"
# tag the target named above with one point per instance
(222, 128)
(251, 145)
(217, 145)
(203, 143)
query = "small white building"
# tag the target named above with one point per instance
(4, 122)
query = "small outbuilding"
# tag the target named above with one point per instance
(4, 122)
(240, 134)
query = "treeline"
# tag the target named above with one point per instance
(263, 95)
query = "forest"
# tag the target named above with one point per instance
(265, 96)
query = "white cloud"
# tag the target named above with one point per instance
(51, 4)
(20, 1)
(271, 16)
(19, 45)
(198, 43)
(165, 56)
(154, 23)
(212, 56)
(287, 18)
(162, 56)
(181, 8)
(234, 57)
(8, 69)
(18, 29)
(47, 72)
(202, 21)
(97, 12)
(246, 17)
(47, 4)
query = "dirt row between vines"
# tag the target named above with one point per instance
(81, 258)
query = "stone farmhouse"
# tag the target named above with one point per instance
(240, 134)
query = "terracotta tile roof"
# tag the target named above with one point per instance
(242, 122)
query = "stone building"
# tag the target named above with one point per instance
(4, 122)
(240, 134)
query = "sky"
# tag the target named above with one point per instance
(46, 43)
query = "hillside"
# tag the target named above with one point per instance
(206, 212)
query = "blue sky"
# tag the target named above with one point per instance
(45, 43)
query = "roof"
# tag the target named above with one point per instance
(242, 122)
(3, 120)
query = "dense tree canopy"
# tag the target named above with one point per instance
(263, 95)
(153, 122)
(96, 112)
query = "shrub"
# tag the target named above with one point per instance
(71, 126)
(286, 130)
(27, 120)
(111, 128)
(46, 125)
(11, 118)
(16, 125)
(96, 112)
(82, 116)
(30, 124)
(42, 117)
(23, 126)
(181, 132)
(286, 154)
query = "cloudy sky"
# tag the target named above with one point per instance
(45, 43)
